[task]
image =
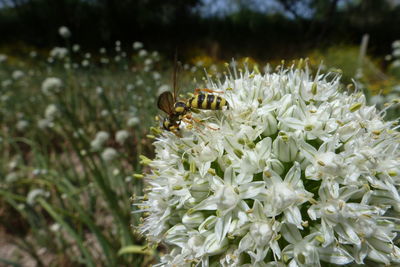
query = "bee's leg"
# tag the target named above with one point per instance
(176, 132)
(198, 90)
(189, 121)
(190, 118)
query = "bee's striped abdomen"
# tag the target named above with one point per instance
(207, 101)
(196, 101)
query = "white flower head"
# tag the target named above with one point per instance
(156, 76)
(396, 44)
(12, 177)
(51, 112)
(133, 121)
(51, 85)
(3, 58)
(55, 227)
(104, 60)
(137, 45)
(294, 172)
(109, 154)
(36, 193)
(99, 141)
(6, 83)
(76, 48)
(22, 125)
(58, 52)
(17, 74)
(45, 123)
(129, 87)
(121, 136)
(142, 53)
(64, 32)
(85, 63)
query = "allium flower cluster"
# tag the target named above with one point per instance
(298, 173)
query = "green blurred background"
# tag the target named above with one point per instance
(79, 81)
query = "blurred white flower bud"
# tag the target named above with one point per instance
(142, 53)
(133, 121)
(121, 136)
(137, 45)
(22, 125)
(17, 74)
(76, 48)
(64, 32)
(3, 58)
(109, 154)
(34, 194)
(51, 85)
(51, 112)
(59, 52)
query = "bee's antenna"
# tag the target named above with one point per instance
(175, 73)
(177, 65)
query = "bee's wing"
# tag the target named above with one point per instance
(177, 66)
(166, 102)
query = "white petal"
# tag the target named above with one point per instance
(293, 263)
(360, 253)
(347, 232)
(381, 246)
(335, 255)
(246, 243)
(379, 256)
(276, 249)
(293, 175)
(312, 212)
(291, 233)
(258, 210)
(216, 182)
(263, 148)
(222, 226)
(293, 216)
(207, 204)
(292, 123)
(208, 224)
(204, 167)
(214, 247)
(230, 176)
(251, 190)
(307, 150)
(328, 234)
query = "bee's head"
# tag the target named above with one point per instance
(170, 124)
(166, 123)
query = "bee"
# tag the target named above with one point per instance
(179, 110)
(167, 103)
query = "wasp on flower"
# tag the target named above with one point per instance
(180, 110)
